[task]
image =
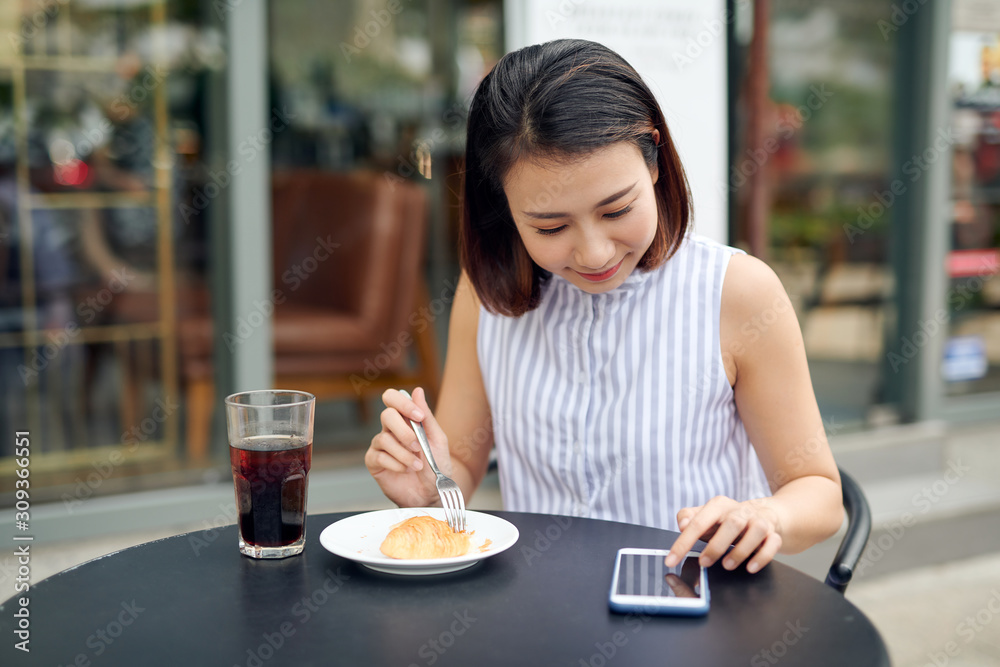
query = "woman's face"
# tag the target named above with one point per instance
(590, 220)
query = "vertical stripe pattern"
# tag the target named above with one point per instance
(617, 406)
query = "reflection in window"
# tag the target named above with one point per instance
(102, 128)
(829, 133)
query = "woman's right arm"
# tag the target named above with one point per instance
(461, 431)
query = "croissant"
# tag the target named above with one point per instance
(424, 537)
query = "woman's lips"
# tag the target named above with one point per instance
(598, 277)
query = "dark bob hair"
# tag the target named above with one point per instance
(555, 101)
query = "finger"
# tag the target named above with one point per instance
(396, 450)
(379, 461)
(677, 585)
(393, 398)
(765, 554)
(753, 538)
(434, 431)
(388, 444)
(399, 427)
(700, 523)
(684, 516)
(730, 528)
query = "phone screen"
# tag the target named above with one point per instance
(645, 574)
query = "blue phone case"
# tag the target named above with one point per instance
(700, 610)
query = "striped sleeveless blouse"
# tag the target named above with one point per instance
(617, 406)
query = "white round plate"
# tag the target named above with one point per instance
(359, 537)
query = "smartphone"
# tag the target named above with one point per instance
(642, 583)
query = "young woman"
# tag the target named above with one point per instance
(624, 368)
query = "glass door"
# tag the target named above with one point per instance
(971, 363)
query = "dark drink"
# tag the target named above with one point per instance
(270, 477)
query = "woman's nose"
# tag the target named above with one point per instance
(595, 252)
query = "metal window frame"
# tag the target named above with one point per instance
(241, 222)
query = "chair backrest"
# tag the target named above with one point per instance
(859, 528)
(379, 227)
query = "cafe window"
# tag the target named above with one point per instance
(829, 122)
(971, 361)
(102, 128)
(375, 96)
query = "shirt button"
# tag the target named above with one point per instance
(577, 447)
(582, 378)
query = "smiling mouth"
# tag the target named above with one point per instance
(598, 277)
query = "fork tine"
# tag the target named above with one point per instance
(459, 504)
(449, 509)
(455, 523)
(459, 512)
(461, 509)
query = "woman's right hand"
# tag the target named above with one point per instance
(394, 458)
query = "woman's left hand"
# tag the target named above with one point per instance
(752, 526)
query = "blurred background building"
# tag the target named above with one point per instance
(203, 197)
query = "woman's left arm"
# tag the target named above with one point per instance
(766, 362)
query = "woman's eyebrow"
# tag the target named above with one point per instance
(549, 215)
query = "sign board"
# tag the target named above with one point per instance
(964, 359)
(679, 49)
(969, 263)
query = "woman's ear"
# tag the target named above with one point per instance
(656, 137)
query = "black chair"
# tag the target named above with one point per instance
(859, 527)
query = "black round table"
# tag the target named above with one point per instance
(194, 600)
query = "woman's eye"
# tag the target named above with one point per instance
(619, 213)
(550, 232)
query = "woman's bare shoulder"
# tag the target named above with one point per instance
(756, 313)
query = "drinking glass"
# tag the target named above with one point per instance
(270, 446)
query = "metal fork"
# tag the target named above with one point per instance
(451, 495)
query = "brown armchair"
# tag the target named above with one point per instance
(347, 261)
